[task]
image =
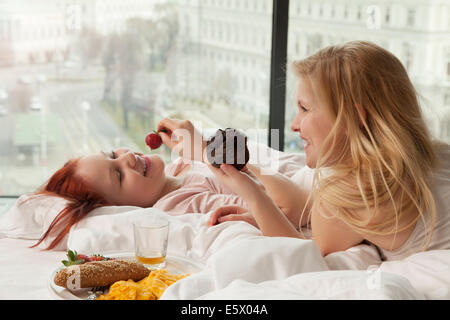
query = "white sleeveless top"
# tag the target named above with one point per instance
(418, 238)
(440, 239)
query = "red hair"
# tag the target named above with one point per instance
(65, 183)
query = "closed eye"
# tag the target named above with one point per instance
(118, 171)
(302, 108)
(301, 105)
(119, 174)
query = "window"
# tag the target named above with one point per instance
(411, 17)
(399, 38)
(359, 13)
(298, 7)
(447, 99)
(407, 56)
(68, 93)
(113, 70)
(387, 17)
(446, 61)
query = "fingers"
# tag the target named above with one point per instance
(166, 124)
(169, 131)
(219, 214)
(249, 172)
(170, 125)
(227, 170)
(217, 171)
(165, 128)
(166, 138)
(230, 176)
(230, 217)
(233, 173)
(174, 132)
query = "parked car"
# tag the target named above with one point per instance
(3, 111)
(35, 103)
(3, 94)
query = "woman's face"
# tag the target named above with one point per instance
(312, 121)
(124, 177)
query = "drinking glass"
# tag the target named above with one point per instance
(150, 241)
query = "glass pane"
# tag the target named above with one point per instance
(77, 77)
(417, 33)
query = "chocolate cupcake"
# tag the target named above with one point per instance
(228, 146)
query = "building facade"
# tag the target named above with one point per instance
(41, 31)
(231, 40)
(33, 33)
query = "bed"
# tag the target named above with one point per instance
(237, 261)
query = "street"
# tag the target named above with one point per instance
(81, 127)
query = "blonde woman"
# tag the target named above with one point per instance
(377, 171)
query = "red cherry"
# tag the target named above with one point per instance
(153, 140)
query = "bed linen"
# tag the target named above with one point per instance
(239, 262)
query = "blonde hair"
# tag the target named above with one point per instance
(388, 150)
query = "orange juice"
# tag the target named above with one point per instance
(151, 260)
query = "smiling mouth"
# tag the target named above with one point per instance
(306, 143)
(146, 166)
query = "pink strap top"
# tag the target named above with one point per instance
(201, 191)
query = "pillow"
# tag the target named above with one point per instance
(31, 216)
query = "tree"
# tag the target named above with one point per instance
(130, 60)
(158, 35)
(90, 44)
(143, 47)
(109, 61)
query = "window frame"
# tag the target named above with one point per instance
(278, 61)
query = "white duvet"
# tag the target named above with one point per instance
(242, 264)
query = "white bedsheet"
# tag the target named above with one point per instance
(239, 263)
(24, 272)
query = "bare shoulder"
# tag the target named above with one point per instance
(331, 234)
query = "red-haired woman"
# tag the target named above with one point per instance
(129, 178)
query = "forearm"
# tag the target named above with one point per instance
(270, 219)
(288, 196)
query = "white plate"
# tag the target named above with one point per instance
(174, 264)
